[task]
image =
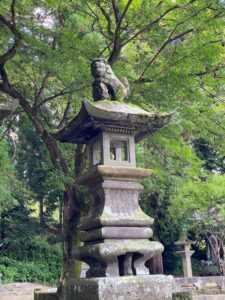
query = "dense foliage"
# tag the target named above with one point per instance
(28, 252)
(172, 53)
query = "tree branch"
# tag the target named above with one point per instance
(209, 71)
(17, 36)
(65, 115)
(116, 11)
(9, 125)
(181, 59)
(129, 2)
(214, 96)
(107, 17)
(146, 27)
(166, 42)
(39, 93)
(106, 47)
(62, 93)
(117, 45)
(13, 14)
(25, 72)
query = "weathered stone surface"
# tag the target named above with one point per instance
(150, 287)
(114, 117)
(209, 297)
(116, 233)
(103, 172)
(111, 148)
(109, 258)
(106, 85)
(186, 254)
(201, 288)
(114, 194)
(200, 282)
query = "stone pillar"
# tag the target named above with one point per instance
(186, 255)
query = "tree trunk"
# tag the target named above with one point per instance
(71, 202)
(41, 212)
(156, 265)
(60, 213)
(71, 218)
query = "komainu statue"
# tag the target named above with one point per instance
(106, 85)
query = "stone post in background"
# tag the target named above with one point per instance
(186, 254)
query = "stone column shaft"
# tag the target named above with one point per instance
(186, 260)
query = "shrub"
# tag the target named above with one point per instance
(35, 260)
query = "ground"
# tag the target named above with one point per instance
(21, 291)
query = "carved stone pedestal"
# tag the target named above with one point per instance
(116, 233)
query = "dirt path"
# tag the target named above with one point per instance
(21, 291)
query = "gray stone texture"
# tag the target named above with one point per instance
(200, 288)
(111, 116)
(101, 150)
(106, 85)
(186, 254)
(209, 297)
(200, 281)
(155, 287)
(116, 233)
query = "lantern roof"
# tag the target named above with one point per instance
(111, 116)
(183, 241)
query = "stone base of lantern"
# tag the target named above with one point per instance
(148, 287)
(118, 257)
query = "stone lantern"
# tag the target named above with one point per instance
(186, 254)
(116, 232)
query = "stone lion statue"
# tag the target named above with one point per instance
(106, 85)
